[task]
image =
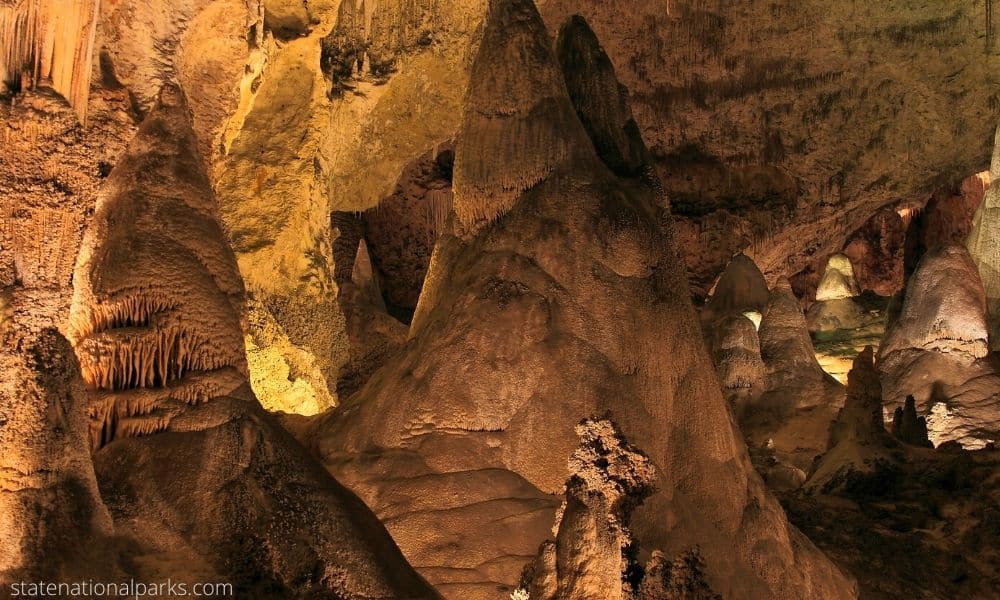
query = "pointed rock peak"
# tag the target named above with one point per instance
(363, 275)
(838, 280)
(741, 288)
(600, 100)
(861, 418)
(157, 301)
(519, 124)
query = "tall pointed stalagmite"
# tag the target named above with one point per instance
(799, 399)
(600, 101)
(181, 444)
(984, 245)
(557, 295)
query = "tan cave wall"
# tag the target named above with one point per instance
(779, 127)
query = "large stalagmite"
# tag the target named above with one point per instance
(799, 398)
(193, 470)
(556, 295)
(741, 288)
(53, 524)
(936, 351)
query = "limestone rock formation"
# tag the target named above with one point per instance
(838, 280)
(876, 251)
(936, 351)
(738, 363)
(555, 295)
(593, 546)
(908, 427)
(49, 42)
(800, 130)
(220, 487)
(835, 306)
(593, 554)
(799, 399)
(858, 437)
(600, 101)
(740, 288)
(373, 334)
(157, 299)
(944, 309)
(984, 246)
(53, 524)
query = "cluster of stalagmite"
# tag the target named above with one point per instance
(49, 42)
(572, 302)
(937, 351)
(594, 554)
(908, 427)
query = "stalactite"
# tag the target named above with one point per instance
(49, 41)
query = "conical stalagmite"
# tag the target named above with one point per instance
(544, 305)
(181, 444)
(799, 398)
(908, 427)
(600, 101)
(838, 280)
(858, 437)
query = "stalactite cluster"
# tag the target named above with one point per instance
(49, 41)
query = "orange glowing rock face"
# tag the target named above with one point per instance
(50, 41)
(157, 301)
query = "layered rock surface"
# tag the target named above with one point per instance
(557, 294)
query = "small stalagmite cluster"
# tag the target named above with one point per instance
(593, 554)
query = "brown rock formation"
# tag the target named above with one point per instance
(876, 250)
(984, 246)
(53, 524)
(593, 554)
(156, 323)
(556, 295)
(49, 42)
(784, 139)
(157, 300)
(858, 437)
(738, 363)
(593, 550)
(799, 399)
(741, 288)
(935, 351)
(908, 427)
